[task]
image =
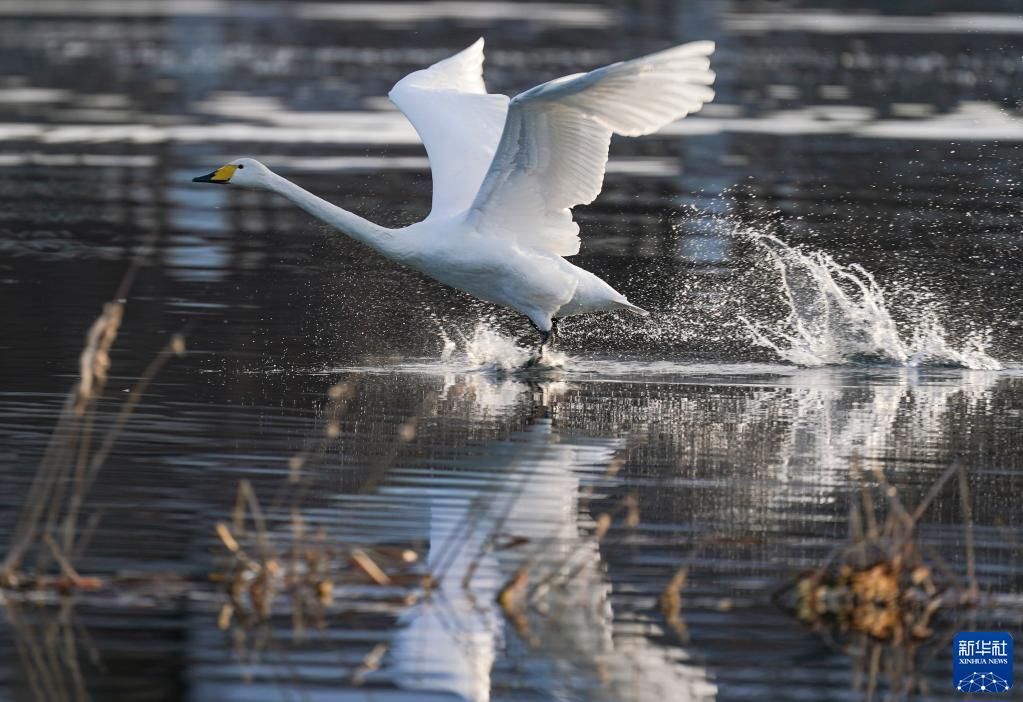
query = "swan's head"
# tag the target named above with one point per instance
(246, 172)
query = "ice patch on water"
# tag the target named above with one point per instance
(838, 314)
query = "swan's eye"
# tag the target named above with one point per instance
(240, 165)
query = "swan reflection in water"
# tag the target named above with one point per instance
(784, 459)
(516, 505)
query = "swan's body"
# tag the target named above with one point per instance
(506, 174)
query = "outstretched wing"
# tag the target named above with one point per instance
(554, 146)
(459, 123)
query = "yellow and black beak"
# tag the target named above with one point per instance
(221, 175)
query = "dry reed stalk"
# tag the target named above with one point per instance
(370, 663)
(512, 601)
(71, 463)
(362, 561)
(566, 572)
(265, 565)
(47, 650)
(272, 558)
(884, 590)
(670, 603)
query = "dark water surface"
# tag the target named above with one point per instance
(886, 137)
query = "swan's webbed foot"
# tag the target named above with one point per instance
(548, 338)
(545, 338)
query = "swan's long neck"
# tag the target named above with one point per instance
(380, 238)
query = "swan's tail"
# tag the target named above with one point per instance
(625, 305)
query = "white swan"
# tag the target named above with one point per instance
(506, 174)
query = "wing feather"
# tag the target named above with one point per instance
(554, 147)
(459, 123)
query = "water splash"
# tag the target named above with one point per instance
(838, 314)
(803, 306)
(487, 348)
